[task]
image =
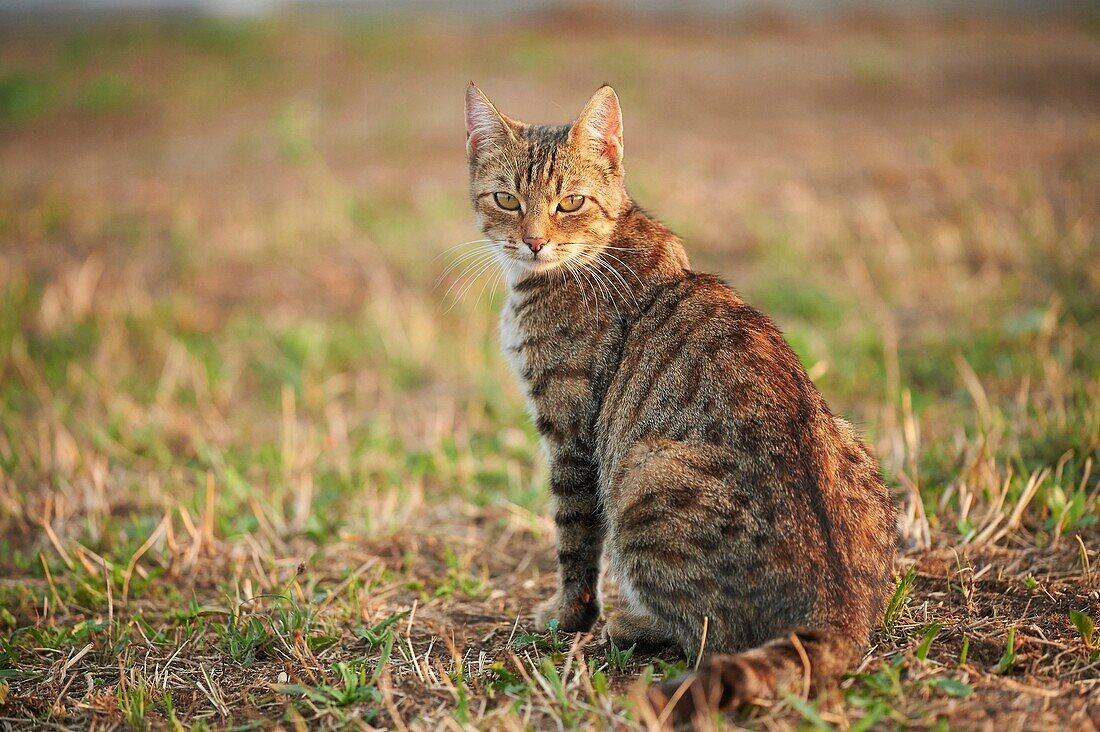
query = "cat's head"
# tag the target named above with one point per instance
(546, 195)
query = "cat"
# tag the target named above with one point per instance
(687, 447)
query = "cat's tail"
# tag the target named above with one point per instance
(801, 661)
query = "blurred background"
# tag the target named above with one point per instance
(227, 305)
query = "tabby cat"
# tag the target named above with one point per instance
(686, 443)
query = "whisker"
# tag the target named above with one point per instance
(627, 268)
(621, 279)
(494, 280)
(570, 267)
(466, 255)
(470, 281)
(470, 267)
(584, 275)
(462, 258)
(608, 285)
(594, 277)
(602, 248)
(595, 260)
(587, 257)
(479, 248)
(456, 246)
(467, 267)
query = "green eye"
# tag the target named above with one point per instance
(569, 204)
(506, 201)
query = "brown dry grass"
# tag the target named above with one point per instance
(241, 426)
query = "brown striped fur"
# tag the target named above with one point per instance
(688, 449)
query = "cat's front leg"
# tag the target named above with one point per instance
(579, 520)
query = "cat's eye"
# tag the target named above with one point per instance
(506, 201)
(569, 204)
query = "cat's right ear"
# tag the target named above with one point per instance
(485, 126)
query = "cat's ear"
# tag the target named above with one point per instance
(485, 126)
(600, 125)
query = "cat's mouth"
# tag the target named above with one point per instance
(528, 261)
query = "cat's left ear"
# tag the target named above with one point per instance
(600, 125)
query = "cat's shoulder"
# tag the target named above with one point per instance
(713, 294)
(718, 308)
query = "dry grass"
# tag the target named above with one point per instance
(256, 465)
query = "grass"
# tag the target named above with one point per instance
(260, 459)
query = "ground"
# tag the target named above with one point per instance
(260, 460)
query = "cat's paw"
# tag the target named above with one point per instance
(627, 630)
(578, 615)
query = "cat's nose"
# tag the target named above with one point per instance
(534, 243)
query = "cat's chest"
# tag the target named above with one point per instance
(552, 352)
(530, 343)
(512, 339)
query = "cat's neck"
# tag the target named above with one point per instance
(641, 257)
(653, 251)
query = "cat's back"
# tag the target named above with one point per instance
(701, 364)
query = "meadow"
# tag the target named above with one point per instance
(262, 463)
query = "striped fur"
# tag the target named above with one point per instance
(688, 449)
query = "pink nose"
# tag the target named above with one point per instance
(534, 243)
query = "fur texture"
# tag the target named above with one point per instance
(686, 444)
